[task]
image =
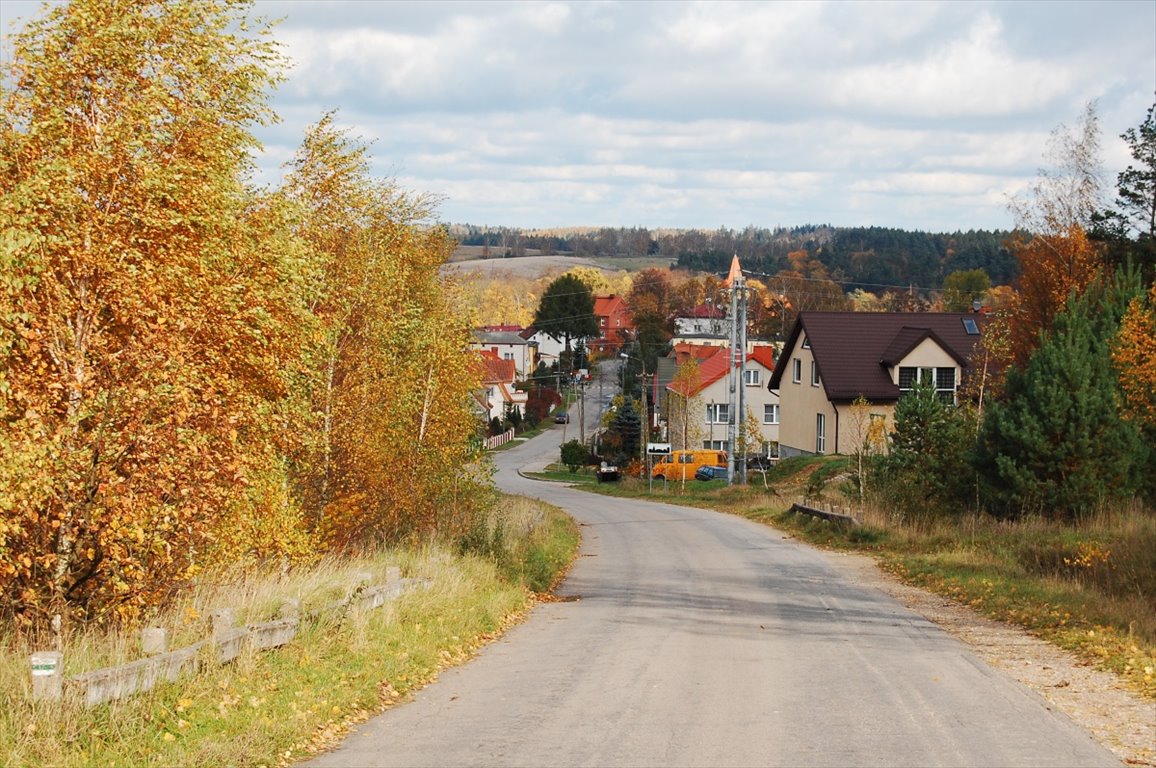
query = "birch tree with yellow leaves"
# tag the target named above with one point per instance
(146, 309)
(384, 429)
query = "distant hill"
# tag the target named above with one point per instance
(872, 258)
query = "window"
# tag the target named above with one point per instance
(820, 433)
(714, 445)
(814, 374)
(718, 413)
(970, 327)
(751, 377)
(771, 413)
(507, 355)
(943, 379)
(796, 370)
(806, 343)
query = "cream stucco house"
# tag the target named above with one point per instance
(831, 359)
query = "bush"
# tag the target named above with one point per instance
(575, 455)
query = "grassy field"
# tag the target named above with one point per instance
(1090, 588)
(279, 706)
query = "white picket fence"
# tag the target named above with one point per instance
(502, 439)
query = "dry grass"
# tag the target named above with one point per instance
(273, 707)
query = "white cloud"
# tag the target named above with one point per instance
(664, 114)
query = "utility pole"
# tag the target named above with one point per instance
(734, 279)
(741, 416)
(645, 437)
(582, 413)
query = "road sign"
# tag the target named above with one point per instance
(658, 449)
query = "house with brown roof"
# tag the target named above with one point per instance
(709, 396)
(831, 359)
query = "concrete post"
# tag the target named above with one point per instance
(290, 608)
(223, 620)
(154, 640)
(47, 677)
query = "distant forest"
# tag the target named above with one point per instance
(871, 258)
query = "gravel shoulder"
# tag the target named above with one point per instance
(1121, 720)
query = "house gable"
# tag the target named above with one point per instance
(831, 359)
(856, 353)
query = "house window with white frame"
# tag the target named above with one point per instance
(718, 413)
(814, 374)
(714, 445)
(820, 433)
(796, 370)
(751, 377)
(771, 413)
(943, 379)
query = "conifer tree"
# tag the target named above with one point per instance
(1058, 445)
(926, 468)
(566, 311)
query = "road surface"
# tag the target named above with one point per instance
(700, 639)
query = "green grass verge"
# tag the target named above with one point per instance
(275, 707)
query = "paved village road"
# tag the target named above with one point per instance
(701, 639)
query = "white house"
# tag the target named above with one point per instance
(710, 397)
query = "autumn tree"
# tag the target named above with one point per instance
(148, 300)
(649, 302)
(388, 374)
(1056, 256)
(593, 278)
(1134, 355)
(869, 431)
(685, 407)
(961, 289)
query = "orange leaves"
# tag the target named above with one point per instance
(1134, 354)
(1052, 267)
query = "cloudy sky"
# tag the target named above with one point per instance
(922, 115)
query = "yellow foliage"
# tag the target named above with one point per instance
(1134, 354)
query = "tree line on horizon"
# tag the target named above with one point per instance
(867, 258)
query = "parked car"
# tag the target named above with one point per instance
(562, 418)
(711, 473)
(607, 472)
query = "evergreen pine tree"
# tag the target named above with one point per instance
(926, 469)
(1057, 444)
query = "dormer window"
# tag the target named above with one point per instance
(943, 379)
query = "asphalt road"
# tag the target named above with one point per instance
(701, 639)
